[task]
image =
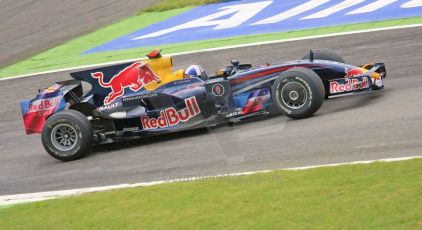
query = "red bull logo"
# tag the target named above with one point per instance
(36, 112)
(349, 85)
(134, 77)
(44, 106)
(171, 117)
(353, 72)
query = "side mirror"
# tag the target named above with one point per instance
(235, 63)
(311, 55)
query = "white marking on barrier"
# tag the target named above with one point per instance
(241, 13)
(40, 196)
(292, 12)
(334, 9)
(372, 7)
(411, 4)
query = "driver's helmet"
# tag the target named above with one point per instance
(196, 71)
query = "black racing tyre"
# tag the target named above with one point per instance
(325, 54)
(298, 93)
(67, 135)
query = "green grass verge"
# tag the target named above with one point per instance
(177, 4)
(372, 196)
(69, 54)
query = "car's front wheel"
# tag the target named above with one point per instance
(298, 93)
(67, 135)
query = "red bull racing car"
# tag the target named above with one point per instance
(146, 98)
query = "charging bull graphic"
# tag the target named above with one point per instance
(134, 77)
(352, 72)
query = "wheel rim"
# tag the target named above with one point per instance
(294, 95)
(64, 137)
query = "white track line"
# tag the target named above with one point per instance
(219, 48)
(40, 196)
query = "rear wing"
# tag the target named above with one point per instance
(47, 102)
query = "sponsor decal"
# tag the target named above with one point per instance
(251, 101)
(218, 90)
(108, 107)
(180, 82)
(134, 77)
(139, 97)
(256, 103)
(348, 85)
(44, 107)
(131, 129)
(171, 117)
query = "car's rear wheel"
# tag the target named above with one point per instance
(325, 54)
(67, 135)
(298, 93)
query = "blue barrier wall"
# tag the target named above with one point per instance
(247, 17)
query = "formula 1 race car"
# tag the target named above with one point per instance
(145, 98)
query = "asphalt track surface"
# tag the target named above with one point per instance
(383, 124)
(30, 26)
